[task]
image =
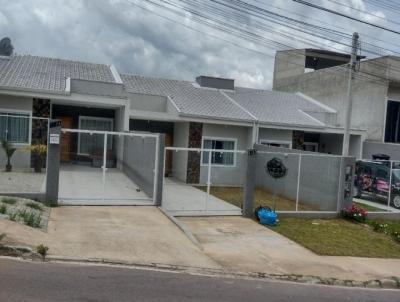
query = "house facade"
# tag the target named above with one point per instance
(210, 113)
(323, 75)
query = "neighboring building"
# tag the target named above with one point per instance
(376, 92)
(209, 113)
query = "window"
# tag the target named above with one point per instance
(92, 144)
(279, 144)
(392, 134)
(14, 127)
(219, 158)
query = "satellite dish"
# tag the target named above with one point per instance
(6, 48)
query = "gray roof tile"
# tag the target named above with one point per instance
(31, 72)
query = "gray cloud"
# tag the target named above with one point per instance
(138, 42)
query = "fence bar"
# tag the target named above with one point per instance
(298, 184)
(208, 179)
(104, 164)
(390, 186)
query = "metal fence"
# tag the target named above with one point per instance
(107, 168)
(205, 181)
(23, 154)
(311, 182)
(377, 185)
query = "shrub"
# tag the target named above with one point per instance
(30, 219)
(42, 250)
(13, 216)
(34, 205)
(3, 209)
(7, 200)
(355, 213)
(2, 236)
(396, 235)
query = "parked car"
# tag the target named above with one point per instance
(372, 178)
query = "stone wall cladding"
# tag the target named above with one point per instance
(194, 158)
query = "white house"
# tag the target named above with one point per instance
(208, 112)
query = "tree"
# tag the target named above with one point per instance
(6, 48)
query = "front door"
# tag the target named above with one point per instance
(67, 122)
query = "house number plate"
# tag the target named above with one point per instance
(54, 139)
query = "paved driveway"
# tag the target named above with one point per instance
(135, 234)
(243, 245)
(181, 199)
(83, 185)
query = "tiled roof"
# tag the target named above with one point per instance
(241, 104)
(189, 99)
(40, 73)
(277, 107)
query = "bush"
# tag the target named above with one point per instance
(355, 213)
(42, 250)
(30, 219)
(34, 205)
(8, 200)
(3, 209)
(386, 228)
(2, 236)
(13, 216)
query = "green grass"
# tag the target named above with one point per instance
(338, 237)
(368, 208)
(8, 200)
(34, 205)
(234, 195)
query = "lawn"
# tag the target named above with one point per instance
(234, 195)
(338, 237)
(367, 207)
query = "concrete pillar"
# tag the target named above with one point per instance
(346, 182)
(53, 162)
(158, 192)
(249, 184)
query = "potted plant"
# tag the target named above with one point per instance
(38, 152)
(9, 150)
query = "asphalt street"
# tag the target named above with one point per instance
(35, 281)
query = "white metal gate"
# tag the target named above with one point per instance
(108, 168)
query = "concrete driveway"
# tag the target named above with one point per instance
(133, 234)
(83, 185)
(181, 199)
(243, 245)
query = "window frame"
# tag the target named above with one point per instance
(28, 115)
(84, 117)
(226, 139)
(271, 141)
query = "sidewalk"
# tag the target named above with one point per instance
(242, 245)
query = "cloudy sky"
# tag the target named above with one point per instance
(163, 44)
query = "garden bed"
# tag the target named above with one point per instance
(339, 237)
(24, 211)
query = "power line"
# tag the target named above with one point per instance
(345, 16)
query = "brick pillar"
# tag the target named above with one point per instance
(194, 158)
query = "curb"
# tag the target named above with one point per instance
(386, 283)
(182, 227)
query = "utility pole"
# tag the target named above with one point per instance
(349, 104)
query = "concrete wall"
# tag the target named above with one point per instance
(148, 102)
(319, 177)
(275, 135)
(139, 162)
(329, 86)
(370, 148)
(180, 158)
(97, 88)
(21, 159)
(234, 175)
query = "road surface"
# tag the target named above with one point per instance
(27, 281)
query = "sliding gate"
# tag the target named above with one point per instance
(107, 168)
